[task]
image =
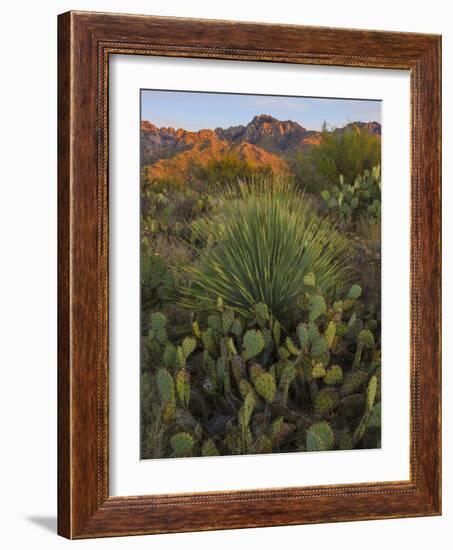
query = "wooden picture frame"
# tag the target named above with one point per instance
(85, 42)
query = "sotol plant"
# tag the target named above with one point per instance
(267, 237)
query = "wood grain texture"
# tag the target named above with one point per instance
(85, 42)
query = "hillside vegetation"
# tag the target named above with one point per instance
(260, 281)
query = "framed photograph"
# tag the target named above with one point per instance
(249, 275)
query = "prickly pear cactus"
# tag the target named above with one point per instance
(166, 385)
(215, 322)
(318, 370)
(245, 413)
(318, 346)
(353, 381)
(209, 448)
(258, 386)
(330, 333)
(188, 345)
(265, 387)
(293, 350)
(158, 321)
(333, 376)
(253, 344)
(319, 437)
(371, 393)
(182, 383)
(302, 335)
(365, 338)
(262, 314)
(326, 401)
(358, 199)
(317, 306)
(169, 356)
(182, 444)
(354, 292)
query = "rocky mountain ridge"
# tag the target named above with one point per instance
(264, 141)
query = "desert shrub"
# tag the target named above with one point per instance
(347, 153)
(242, 386)
(227, 171)
(266, 237)
(357, 200)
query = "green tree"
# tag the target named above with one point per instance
(347, 153)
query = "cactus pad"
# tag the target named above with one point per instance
(288, 374)
(329, 334)
(231, 347)
(371, 393)
(169, 411)
(353, 381)
(245, 387)
(161, 335)
(352, 406)
(334, 375)
(253, 344)
(318, 346)
(180, 359)
(256, 370)
(169, 356)
(215, 322)
(312, 332)
(236, 328)
(354, 292)
(261, 314)
(291, 347)
(166, 385)
(318, 370)
(182, 383)
(317, 306)
(366, 338)
(265, 386)
(319, 437)
(208, 341)
(246, 410)
(158, 321)
(227, 321)
(182, 444)
(326, 401)
(302, 335)
(188, 345)
(196, 329)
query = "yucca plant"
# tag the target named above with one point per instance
(266, 238)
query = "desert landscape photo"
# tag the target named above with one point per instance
(260, 274)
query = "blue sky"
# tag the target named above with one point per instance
(197, 110)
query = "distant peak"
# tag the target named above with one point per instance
(264, 118)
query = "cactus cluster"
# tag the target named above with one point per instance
(253, 337)
(238, 386)
(352, 200)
